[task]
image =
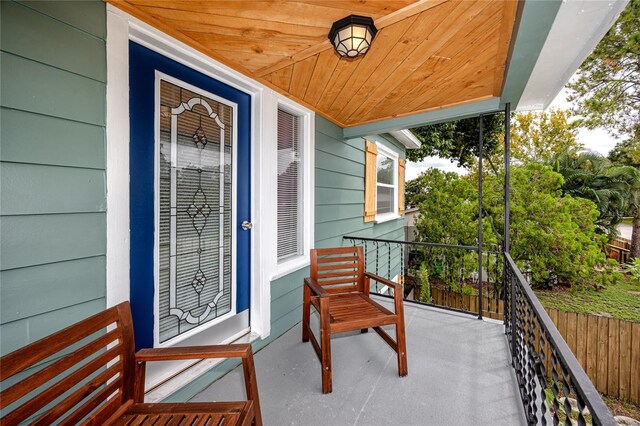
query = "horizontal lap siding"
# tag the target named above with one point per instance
(52, 167)
(339, 211)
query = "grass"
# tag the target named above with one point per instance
(621, 301)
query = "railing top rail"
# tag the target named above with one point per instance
(417, 243)
(579, 379)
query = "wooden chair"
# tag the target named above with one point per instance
(338, 289)
(88, 373)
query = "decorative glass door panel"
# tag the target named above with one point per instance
(195, 193)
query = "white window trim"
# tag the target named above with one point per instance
(389, 153)
(307, 118)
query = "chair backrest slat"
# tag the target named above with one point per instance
(338, 270)
(71, 373)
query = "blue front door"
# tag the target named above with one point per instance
(190, 192)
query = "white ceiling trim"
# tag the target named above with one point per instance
(576, 30)
(406, 138)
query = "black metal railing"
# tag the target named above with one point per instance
(446, 276)
(440, 275)
(547, 372)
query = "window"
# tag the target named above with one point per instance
(290, 184)
(384, 183)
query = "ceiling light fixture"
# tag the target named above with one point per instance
(352, 36)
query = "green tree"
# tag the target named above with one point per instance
(553, 236)
(540, 136)
(590, 175)
(627, 152)
(607, 90)
(457, 140)
(448, 205)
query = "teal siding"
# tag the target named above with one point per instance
(52, 167)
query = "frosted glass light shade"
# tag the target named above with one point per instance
(352, 36)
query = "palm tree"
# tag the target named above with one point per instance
(592, 176)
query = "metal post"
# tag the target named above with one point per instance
(480, 155)
(507, 174)
(507, 218)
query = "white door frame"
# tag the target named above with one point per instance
(122, 28)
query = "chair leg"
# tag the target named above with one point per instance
(325, 337)
(402, 349)
(306, 313)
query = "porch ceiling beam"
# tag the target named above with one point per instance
(431, 117)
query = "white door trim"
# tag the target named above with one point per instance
(122, 28)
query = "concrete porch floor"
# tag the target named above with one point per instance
(459, 374)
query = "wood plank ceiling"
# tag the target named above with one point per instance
(428, 54)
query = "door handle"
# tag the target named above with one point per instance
(246, 225)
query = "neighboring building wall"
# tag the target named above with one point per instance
(52, 171)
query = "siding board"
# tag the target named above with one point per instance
(50, 189)
(51, 42)
(31, 291)
(330, 213)
(339, 148)
(338, 164)
(39, 139)
(331, 179)
(88, 16)
(20, 333)
(31, 86)
(338, 196)
(39, 239)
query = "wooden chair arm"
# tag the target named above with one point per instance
(241, 350)
(384, 281)
(193, 352)
(316, 288)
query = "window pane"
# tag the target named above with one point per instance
(289, 185)
(384, 200)
(195, 210)
(385, 170)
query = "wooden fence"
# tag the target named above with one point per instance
(619, 249)
(607, 348)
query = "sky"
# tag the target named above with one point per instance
(596, 140)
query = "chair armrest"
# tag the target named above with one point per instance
(315, 287)
(242, 350)
(194, 352)
(384, 281)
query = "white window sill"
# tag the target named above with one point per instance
(291, 265)
(386, 217)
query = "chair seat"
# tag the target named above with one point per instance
(354, 311)
(188, 414)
